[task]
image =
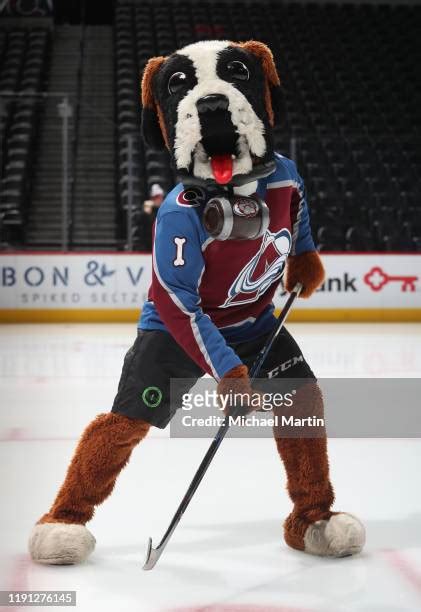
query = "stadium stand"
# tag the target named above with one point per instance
(356, 139)
(94, 207)
(44, 219)
(143, 168)
(23, 64)
(352, 118)
(70, 63)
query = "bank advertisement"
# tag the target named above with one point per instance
(119, 282)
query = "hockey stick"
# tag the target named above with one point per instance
(153, 554)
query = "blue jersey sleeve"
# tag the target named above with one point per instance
(178, 266)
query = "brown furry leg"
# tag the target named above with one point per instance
(103, 451)
(307, 467)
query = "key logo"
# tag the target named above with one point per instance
(376, 279)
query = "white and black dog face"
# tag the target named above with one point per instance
(211, 104)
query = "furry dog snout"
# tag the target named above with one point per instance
(218, 145)
(212, 102)
(217, 131)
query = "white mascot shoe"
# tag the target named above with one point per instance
(60, 543)
(342, 535)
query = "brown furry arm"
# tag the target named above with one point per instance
(306, 269)
(236, 384)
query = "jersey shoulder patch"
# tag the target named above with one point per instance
(191, 197)
(182, 209)
(181, 199)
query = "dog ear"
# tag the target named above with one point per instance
(273, 91)
(153, 126)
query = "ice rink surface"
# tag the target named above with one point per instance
(227, 553)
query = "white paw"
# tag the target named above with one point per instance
(342, 535)
(60, 543)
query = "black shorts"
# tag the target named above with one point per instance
(155, 358)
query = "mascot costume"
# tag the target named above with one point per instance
(224, 237)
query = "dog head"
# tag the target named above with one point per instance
(213, 105)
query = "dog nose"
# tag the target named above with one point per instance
(212, 102)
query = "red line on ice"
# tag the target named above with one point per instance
(408, 570)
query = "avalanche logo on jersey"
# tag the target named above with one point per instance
(262, 270)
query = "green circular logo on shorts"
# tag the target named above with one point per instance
(152, 396)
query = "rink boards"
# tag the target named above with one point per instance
(100, 286)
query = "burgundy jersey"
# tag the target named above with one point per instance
(208, 293)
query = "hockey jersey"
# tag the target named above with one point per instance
(208, 293)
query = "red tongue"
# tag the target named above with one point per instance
(222, 168)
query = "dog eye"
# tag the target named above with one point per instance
(238, 71)
(176, 82)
